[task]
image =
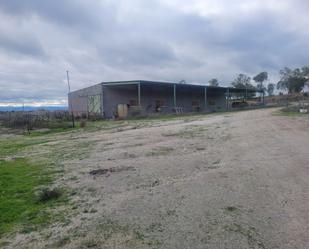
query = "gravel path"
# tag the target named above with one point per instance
(235, 180)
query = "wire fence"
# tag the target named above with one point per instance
(35, 120)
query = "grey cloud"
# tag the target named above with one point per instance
(260, 32)
(21, 45)
(69, 12)
(137, 53)
(114, 40)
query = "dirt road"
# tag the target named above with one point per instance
(236, 180)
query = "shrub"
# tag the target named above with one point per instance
(84, 116)
(83, 123)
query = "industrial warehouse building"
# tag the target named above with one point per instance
(125, 98)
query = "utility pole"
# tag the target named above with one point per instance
(70, 102)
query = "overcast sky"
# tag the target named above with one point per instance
(170, 40)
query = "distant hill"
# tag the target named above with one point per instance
(31, 108)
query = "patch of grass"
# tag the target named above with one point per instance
(188, 132)
(292, 111)
(93, 210)
(154, 227)
(230, 209)
(144, 235)
(106, 125)
(160, 151)
(109, 227)
(139, 235)
(19, 204)
(249, 233)
(171, 212)
(38, 133)
(137, 122)
(26, 201)
(12, 146)
(71, 150)
(4, 243)
(62, 242)
(73, 178)
(90, 243)
(111, 234)
(290, 114)
(182, 134)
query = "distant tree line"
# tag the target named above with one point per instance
(291, 80)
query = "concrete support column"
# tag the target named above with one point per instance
(175, 97)
(227, 99)
(205, 97)
(139, 94)
(246, 93)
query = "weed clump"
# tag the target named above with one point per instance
(49, 194)
(160, 151)
(83, 123)
(231, 209)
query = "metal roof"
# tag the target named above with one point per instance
(194, 85)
